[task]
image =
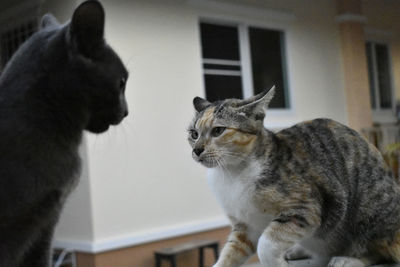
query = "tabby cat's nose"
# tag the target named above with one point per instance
(198, 151)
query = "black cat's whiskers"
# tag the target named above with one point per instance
(111, 135)
(129, 61)
(121, 133)
(103, 139)
(123, 130)
(95, 139)
(131, 131)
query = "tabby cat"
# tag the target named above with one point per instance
(317, 189)
(63, 80)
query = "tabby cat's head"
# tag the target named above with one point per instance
(225, 132)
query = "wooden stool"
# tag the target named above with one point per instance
(170, 253)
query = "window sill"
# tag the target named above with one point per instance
(383, 116)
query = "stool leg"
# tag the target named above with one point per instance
(158, 261)
(173, 261)
(215, 247)
(201, 257)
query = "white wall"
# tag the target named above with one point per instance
(145, 177)
(76, 222)
(141, 176)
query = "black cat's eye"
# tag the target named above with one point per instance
(122, 83)
(194, 134)
(217, 131)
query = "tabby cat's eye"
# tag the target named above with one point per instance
(194, 134)
(217, 131)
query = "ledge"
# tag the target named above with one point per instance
(351, 17)
(246, 10)
(140, 237)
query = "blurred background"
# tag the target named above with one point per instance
(140, 191)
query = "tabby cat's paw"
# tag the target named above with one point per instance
(345, 262)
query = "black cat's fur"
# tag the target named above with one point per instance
(63, 80)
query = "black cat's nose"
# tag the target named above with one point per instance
(126, 113)
(198, 151)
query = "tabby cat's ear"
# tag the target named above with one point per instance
(87, 27)
(48, 20)
(258, 104)
(200, 104)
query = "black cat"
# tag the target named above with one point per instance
(63, 80)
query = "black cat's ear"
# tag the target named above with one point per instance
(257, 105)
(87, 27)
(200, 104)
(48, 20)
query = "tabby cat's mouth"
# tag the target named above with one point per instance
(206, 161)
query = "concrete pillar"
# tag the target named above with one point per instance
(396, 66)
(351, 25)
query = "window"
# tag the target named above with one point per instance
(240, 61)
(379, 75)
(11, 39)
(221, 61)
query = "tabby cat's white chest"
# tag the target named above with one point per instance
(235, 192)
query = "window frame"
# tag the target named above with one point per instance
(243, 26)
(382, 115)
(17, 14)
(16, 34)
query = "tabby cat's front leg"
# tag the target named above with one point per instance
(237, 249)
(280, 236)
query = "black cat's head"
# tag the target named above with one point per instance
(93, 71)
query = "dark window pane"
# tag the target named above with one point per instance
(221, 42)
(219, 87)
(12, 39)
(382, 64)
(221, 67)
(10, 50)
(371, 76)
(3, 47)
(267, 63)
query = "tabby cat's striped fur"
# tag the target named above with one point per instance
(316, 189)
